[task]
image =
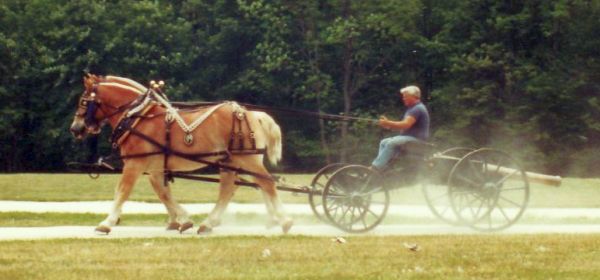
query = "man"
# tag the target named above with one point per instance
(414, 127)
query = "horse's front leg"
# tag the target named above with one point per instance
(226, 190)
(179, 219)
(131, 172)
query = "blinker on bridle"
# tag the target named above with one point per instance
(91, 104)
(90, 112)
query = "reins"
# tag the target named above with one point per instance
(317, 115)
(125, 126)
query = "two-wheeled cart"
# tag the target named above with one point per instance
(485, 189)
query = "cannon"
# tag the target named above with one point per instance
(485, 189)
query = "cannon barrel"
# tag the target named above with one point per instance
(549, 180)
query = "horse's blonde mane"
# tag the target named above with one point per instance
(122, 86)
(125, 81)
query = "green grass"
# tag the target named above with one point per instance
(574, 192)
(297, 257)
(80, 187)
(483, 256)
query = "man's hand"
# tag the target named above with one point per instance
(402, 125)
(383, 122)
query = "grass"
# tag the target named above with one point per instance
(485, 256)
(297, 257)
(574, 192)
(79, 187)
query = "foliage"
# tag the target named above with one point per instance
(517, 75)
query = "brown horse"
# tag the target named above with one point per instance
(106, 101)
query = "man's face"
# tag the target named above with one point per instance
(409, 99)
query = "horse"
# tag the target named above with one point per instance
(108, 101)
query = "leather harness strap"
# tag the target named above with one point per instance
(197, 157)
(239, 117)
(167, 176)
(126, 128)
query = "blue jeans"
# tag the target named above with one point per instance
(389, 147)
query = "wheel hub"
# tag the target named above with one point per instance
(356, 200)
(489, 190)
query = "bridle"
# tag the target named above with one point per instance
(90, 103)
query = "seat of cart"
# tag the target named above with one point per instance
(415, 150)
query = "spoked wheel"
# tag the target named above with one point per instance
(315, 197)
(457, 152)
(488, 190)
(436, 192)
(354, 200)
(438, 200)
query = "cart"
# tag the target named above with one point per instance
(485, 189)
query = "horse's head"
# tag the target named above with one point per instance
(99, 102)
(86, 119)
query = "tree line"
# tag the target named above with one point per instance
(522, 76)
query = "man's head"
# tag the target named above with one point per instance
(410, 95)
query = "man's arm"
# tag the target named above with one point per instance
(404, 124)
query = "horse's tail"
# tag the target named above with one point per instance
(273, 134)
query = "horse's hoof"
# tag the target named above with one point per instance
(185, 226)
(173, 226)
(287, 225)
(103, 229)
(204, 229)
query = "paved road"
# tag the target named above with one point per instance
(26, 233)
(134, 207)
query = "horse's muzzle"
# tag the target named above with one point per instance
(78, 130)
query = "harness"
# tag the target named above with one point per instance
(139, 109)
(239, 116)
(91, 105)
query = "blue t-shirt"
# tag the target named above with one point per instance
(420, 128)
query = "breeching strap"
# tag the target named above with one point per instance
(196, 157)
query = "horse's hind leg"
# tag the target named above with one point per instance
(178, 217)
(226, 190)
(267, 186)
(273, 204)
(273, 220)
(131, 172)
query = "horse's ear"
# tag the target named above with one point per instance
(97, 78)
(88, 82)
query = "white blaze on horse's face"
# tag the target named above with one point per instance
(78, 125)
